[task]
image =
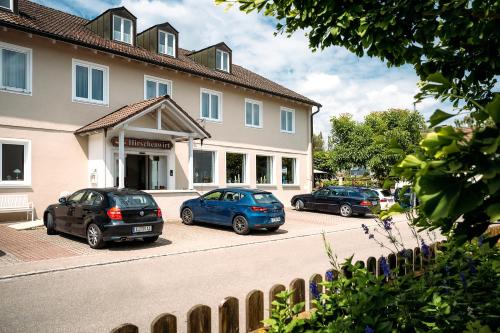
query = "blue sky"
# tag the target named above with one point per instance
(340, 81)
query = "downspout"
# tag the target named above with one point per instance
(312, 148)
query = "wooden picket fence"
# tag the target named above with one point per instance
(199, 318)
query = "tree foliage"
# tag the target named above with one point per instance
(318, 143)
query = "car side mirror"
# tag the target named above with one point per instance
(63, 200)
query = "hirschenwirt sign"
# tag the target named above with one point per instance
(143, 143)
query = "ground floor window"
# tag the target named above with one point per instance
(14, 164)
(288, 170)
(235, 168)
(264, 166)
(203, 167)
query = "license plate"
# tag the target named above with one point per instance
(145, 228)
(275, 219)
(374, 203)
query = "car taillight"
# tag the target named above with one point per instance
(383, 200)
(158, 212)
(365, 203)
(115, 213)
(258, 209)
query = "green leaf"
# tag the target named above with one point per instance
(410, 161)
(493, 211)
(439, 116)
(493, 109)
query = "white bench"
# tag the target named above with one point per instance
(14, 203)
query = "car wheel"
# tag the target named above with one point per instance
(240, 225)
(94, 236)
(187, 216)
(50, 225)
(273, 229)
(345, 210)
(299, 205)
(151, 239)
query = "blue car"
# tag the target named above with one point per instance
(243, 209)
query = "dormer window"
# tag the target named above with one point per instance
(122, 29)
(166, 43)
(222, 61)
(7, 4)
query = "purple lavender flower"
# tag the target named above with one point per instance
(313, 286)
(464, 280)
(426, 251)
(480, 240)
(385, 267)
(329, 276)
(472, 267)
(368, 329)
(387, 224)
(365, 228)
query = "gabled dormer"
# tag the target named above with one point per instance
(218, 57)
(9, 5)
(116, 24)
(161, 38)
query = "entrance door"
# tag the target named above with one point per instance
(136, 172)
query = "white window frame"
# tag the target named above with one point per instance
(211, 92)
(27, 163)
(11, 6)
(157, 80)
(285, 109)
(261, 120)
(246, 169)
(166, 45)
(295, 172)
(90, 66)
(273, 170)
(215, 176)
(221, 54)
(122, 25)
(29, 68)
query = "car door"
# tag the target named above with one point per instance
(226, 207)
(335, 199)
(208, 205)
(75, 213)
(64, 211)
(320, 199)
(89, 206)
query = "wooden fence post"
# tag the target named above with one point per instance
(275, 290)
(229, 315)
(199, 319)
(125, 328)
(400, 261)
(254, 310)
(409, 262)
(315, 280)
(298, 286)
(417, 260)
(164, 323)
(371, 265)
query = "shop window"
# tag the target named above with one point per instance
(264, 168)
(15, 162)
(204, 167)
(155, 87)
(235, 168)
(15, 68)
(288, 170)
(90, 82)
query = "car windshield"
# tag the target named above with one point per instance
(265, 198)
(133, 201)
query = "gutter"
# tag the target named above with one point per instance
(318, 108)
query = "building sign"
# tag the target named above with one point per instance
(143, 143)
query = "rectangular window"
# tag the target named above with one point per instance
(211, 105)
(7, 4)
(15, 162)
(288, 170)
(253, 113)
(222, 61)
(155, 87)
(287, 120)
(167, 43)
(204, 167)
(122, 29)
(235, 168)
(15, 68)
(264, 168)
(90, 82)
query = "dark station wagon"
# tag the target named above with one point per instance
(345, 200)
(102, 215)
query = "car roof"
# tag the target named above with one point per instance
(114, 190)
(244, 190)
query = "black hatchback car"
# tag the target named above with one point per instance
(339, 199)
(102, 215)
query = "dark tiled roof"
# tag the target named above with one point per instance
(59, 25)
(128, 111)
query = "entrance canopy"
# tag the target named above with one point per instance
(169, 120)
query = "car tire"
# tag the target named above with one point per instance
(50, 225)
(299, 205)
(151, 239)
(240, 225)
(273, 229)
(345, 210)
(94, 237)
(187, 216)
